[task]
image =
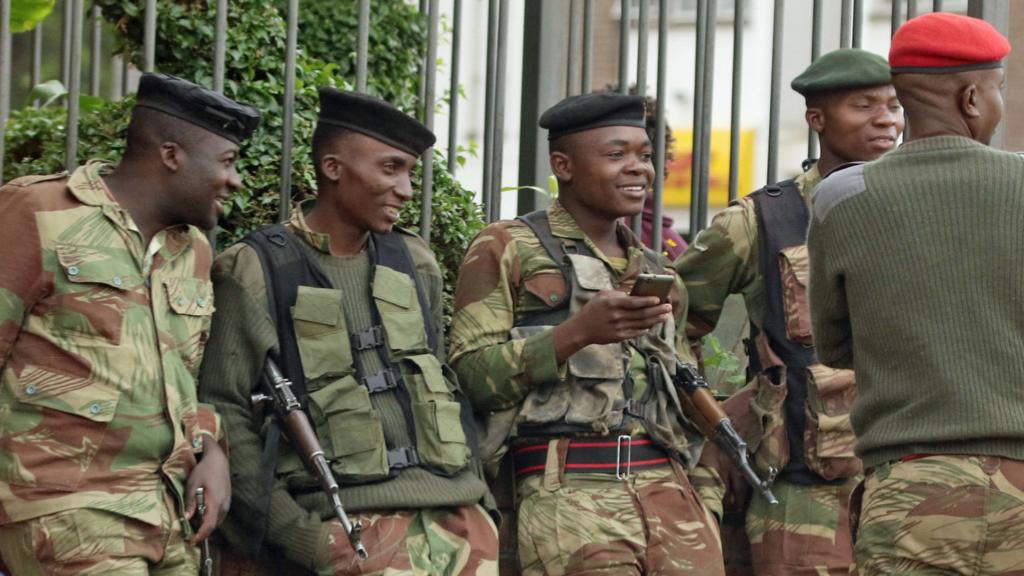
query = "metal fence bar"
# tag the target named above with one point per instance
(660, 153)
(697, 140)
(624, 47)
(149, 36)
(95, 77)
(498, 127)
(125, 72)
(816, 17)
(428, 119)
(643, 30)
(288, 124)
(858, 23)
(453, 89)
(735, 129)
(911, 9)
(936, 5)
(490, 76)
(895, 20)
(588, 45)
(220, 45)
(65, 45)
(5, 76)
(75, 85)
(708, 103)
(846, 26)
(773, 107)
(37, 59)
(363, 44)
(572, 68)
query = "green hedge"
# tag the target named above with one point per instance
(254, 73)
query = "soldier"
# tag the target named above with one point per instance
(350, 307)
(915, 284)
(105, 302)
(572, 374)
(756, 247)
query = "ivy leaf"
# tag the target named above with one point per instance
(25, 14)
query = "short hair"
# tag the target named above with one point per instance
(323, 137)
(148, 129)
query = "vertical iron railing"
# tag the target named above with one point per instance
(362, 45)
(453, 89)
(428, 118)
(572, 76)
(75, 84)
(735, 129)
(65, 45)
(624, 47)
(846, 25)
(288, 120)
(490, 96)
(703, 101)
(95, 59)
(37, 59)
(220, 39)
(816, 18)
(660, 152)
(5, 76)
(588, 46)
(643, 31)
(773, 106)
(149, 37)
(858, 23)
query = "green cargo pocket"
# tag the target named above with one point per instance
(440, 439)
(399, 307)
(425, 377)
(350, 431)
(321, 334)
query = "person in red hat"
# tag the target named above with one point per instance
(915, 284)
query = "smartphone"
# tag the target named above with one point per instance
(659, 285)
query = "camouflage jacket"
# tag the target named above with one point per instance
(723, 260)
(100, 341)
(507, 275)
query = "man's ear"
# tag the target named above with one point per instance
(968, 101)
(815, 118)
(172, 156)
(561, 166)
(331, 167)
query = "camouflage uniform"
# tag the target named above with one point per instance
(807, 532)
(101, 337)
(653, 522)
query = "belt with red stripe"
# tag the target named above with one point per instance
(617, 455)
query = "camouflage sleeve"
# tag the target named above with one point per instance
(496, 371)
(21, 267)
(241, 335)
(722, 260)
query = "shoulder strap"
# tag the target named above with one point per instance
(782, 212)
(391, 251)
(537, 221)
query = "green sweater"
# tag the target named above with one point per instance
(241, 335)
(917, 283)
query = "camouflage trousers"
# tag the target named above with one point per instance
(960, 515)
(806, 534)
(594, 524)
(91, 542)
(459, 541)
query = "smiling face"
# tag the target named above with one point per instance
(370, 181)
(206, 179)
(604, 171)
(857, 125)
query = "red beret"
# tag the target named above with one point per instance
(944, 43)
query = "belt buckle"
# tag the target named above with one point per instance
(618, 456)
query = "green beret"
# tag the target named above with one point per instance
(593, 110)
(843, 69)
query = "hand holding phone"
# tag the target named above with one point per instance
(659, 285)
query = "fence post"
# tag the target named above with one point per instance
(773, 107)
(735, 128)
(453, 90)
(426, 211)
(5, 77)
(220, 45)
(149, 36)
(284, 208)
(75, 87)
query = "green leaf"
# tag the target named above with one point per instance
(48, 92)
(25, 14)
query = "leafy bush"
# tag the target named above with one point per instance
(254, 73)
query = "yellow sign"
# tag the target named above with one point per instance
(677, 184)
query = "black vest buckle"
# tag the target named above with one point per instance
(381, 381)
(372, 337)
(404, 457)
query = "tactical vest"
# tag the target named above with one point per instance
(817, 402)
(597, 392)
(316, 354)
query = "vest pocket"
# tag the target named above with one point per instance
(795, 271)
(320, 333)
(769, 443)
(394, 294)
(440, 438)
(350, 431)
(828, 437)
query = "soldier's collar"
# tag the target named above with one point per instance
(86, 184)
(297, 222)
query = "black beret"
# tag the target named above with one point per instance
(197, 105)
(594, 110)
(374, 118)
(843, 69)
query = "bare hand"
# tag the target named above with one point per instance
(213, 475)
(611, 316)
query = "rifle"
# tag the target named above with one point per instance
(297, 428)
(708, 415)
